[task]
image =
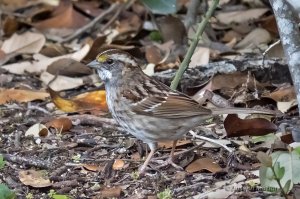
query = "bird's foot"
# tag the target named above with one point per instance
(168, 162)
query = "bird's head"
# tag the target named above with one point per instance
(113, 63)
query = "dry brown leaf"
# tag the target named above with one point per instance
(69, 67)
(63, 124)
(233, 80)
(269, 23)
(200, 57)
(130, 23)
(153, 54)
(9, 95)
(34, 178)
(63, 17)
(118, 164)
(285, 94)
(167, 25)
(41, 62)
(88, 102)
(136, 156)
(203, 164)
(91, 7)
(240, 16)
(95, 49)
(255, 38)
(92, 167)
(236, 127)
(60, 83)
(10, 26)
(27, 42)
(111, 192)
(230, 35)
(37, 130)
(169, 144)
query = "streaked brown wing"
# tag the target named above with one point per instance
(170, 105)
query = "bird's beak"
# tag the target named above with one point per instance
(93, 64)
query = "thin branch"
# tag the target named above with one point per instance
(211, 141)
(88, 26)
(183, 66)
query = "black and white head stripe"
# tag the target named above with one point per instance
(116, 54)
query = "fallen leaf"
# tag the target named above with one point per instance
(233, 80)
(64, 16)
(255, 38)
(10, 95)
(118, 164)
(285, 94)
(68, 67)
(41, 62)
(10, 26)
(169, 144)
(34, 178)
(269, 23)
(92, 167)
(89, 102)
(135, 156)
(95, 49)
(27, 42)
(60, 82)
(285, 106)
(236, 127)
(129, 23)
(111, 192)
(203, 164)
(241, 16)
(37, 130)
(63, 124)
(149, 70)
(200, 57)
(167, 25)
(153, 54)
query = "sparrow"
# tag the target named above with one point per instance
(145, 107)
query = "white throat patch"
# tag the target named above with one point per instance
(104, 74)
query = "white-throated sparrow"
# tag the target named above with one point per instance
(145, 107)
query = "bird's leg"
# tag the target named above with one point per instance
(169, 161)
(173, 150)
(152, 147)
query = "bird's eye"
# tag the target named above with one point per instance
(110, 61)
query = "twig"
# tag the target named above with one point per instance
(191, 14)
(183, 66)
(211, 140)
(279, 183)
(30, 161)
(92, 23)
(113, 18)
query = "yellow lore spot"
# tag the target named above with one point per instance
(102, 58)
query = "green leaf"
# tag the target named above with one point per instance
(6, 193)
(297, 149)
(279, 171)
(2, 162)
(264, 159)
(290, 162)
(271, 137)
(166, 194)
(58, 196)
(161, 6)
(287, 186)
(155, 36)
